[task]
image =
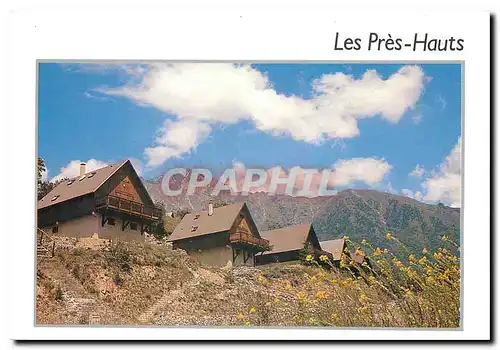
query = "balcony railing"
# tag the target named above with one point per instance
(249, 239)
(128, 206)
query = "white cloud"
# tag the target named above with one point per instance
(386, 187)
(125, 70)
(370, 171)
(239, 167)
(96, 96)
(175, 139)
(442, 103)
(138, 166)
(446, 185)
(72, 169)
(409, 193)
(418, 171)
(201, 95)
(45, 175)
(417, 118)
(367, 170)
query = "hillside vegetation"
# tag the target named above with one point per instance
(359, 214)
(151, 284)
(368, 215)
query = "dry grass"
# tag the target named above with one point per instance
(423, 292)
(122, 282)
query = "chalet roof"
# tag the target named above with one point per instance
(75, 187)
(358, 255)
(334, 247)
(286, 238)
(221, 220)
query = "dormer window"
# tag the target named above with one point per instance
(91, 174)
(70, 182)
(80, 179)
(194, 228)
(54, 198)
(197, 216)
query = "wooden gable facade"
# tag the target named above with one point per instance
(112, 191)
(125, 184)
(289, 243)
(313, 241)
(245, 238)
(124, 196)
(230, 230)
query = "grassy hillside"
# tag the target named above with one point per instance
(359, 214)
(367, 214)
(149, 284)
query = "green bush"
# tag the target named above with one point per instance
(58, 294)
(120, 256)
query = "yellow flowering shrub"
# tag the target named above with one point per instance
(415, 289)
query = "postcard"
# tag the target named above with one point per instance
(278, 187)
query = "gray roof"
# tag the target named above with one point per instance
(287, 238)
(72, 188)
(334, 247)
(221, 220)
(358, 255)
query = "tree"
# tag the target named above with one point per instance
(158, 227)
(304, 252)
(45, 186)
(41, 169)
(180, 213)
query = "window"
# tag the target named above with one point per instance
(111, 221)
(70, 182)
(91, 174)
(54, 198)
(80, 179)
(197, 216)
(194, 228)
(55, 229)
(133, 226)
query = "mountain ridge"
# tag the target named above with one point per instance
(357, 213)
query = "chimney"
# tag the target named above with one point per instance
(82, 169)
(210, 209)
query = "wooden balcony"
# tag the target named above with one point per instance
(240, 238)
(127, 206)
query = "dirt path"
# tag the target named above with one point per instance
(77, 300)
(168, 298)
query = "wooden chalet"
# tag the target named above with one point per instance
(219, 236)
(110, 203)
(288, 243)
(361, 259)
(336, 248)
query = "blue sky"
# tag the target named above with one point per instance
(108, 113)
